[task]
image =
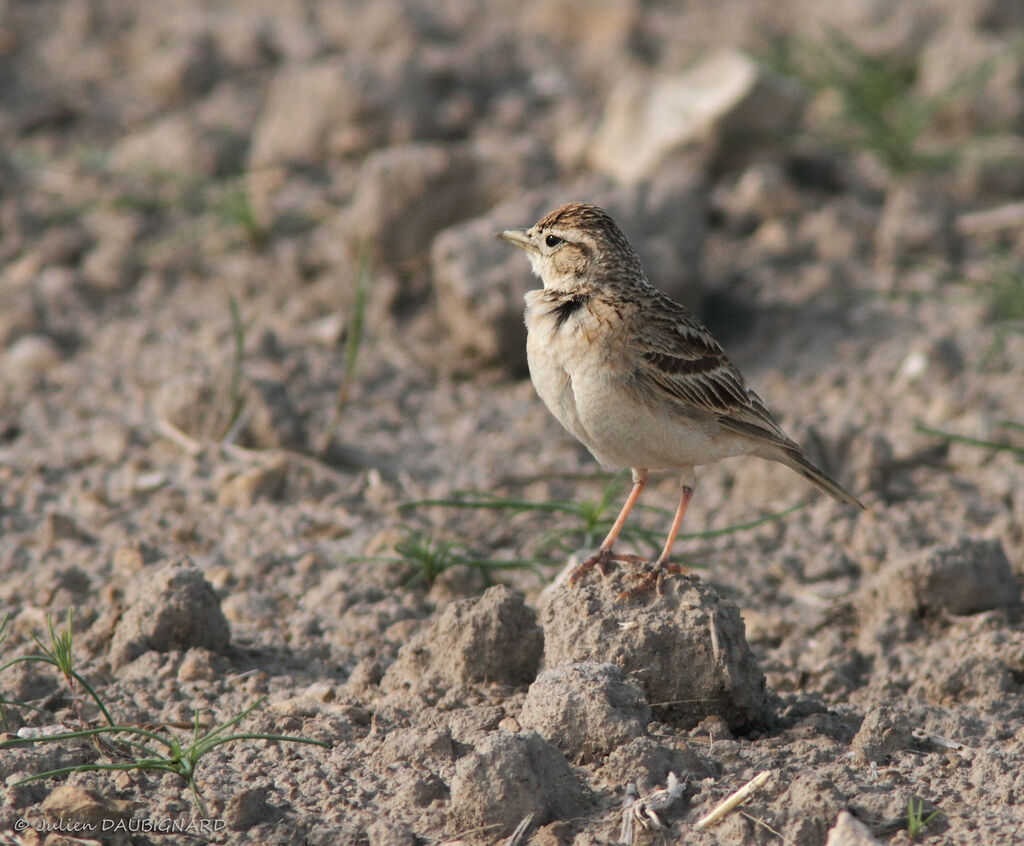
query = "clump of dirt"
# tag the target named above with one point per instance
(173, 608)
(253, 318)
(510, 776)
(685, 645)
(491, 638)
(586, 710)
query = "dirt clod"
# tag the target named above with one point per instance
(509, 776)
(686, 647)
(174, 608)
(586, 710)
(965, 577)
(247, 808)
(884, 730)
(493, 638)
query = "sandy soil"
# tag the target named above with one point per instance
(193, 202)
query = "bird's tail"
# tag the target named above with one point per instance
(795, 459)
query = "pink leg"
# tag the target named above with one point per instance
(651, 578)
(604, 554)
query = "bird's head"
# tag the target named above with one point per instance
(577, 247)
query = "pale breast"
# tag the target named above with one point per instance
(550, 363)
(580, 365)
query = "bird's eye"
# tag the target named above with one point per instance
(552, 240)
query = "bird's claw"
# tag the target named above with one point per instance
(650, 578)
(601, 559)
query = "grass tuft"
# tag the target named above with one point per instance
(579, 525)
(916, 820)
(353, 342)
(880, 108)
(142, 749)
(998, 446)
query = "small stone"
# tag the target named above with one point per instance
(388, 833)
(364, 676)
(418, 744)
(306, 105)
(59, 527)
(406, 194)
(30, 356)
(265, 481)
(128, 560)
(647, 763)
(75, 805)
(850, 831)
(246, 809)
(178, 68)
(967, 577)
(172, 145)
(726, 98)
(197, 665)
(914, 220)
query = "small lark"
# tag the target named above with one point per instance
(633, 375)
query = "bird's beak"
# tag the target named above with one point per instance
(517, 238)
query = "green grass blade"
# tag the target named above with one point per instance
(964, 439)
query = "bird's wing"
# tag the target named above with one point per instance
(682, 361)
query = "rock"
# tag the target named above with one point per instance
(198, 665)
(586, 710)
(309, 109)
(389, 833)
(480, 281)
(762, 192)
(509, 776)
(600, 34)
(406, 194)
(112, 265)
(685, 646)
(417, 745)
(30, 356)
(850, 831)
(727, 99)
(493, 638)
(173, 608)
(181, 67)
(967, 577)
(885, 730)
(808, 805)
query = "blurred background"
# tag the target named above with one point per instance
(253, 317)
(269, 148)
(271, 225)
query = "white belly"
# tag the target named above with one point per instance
(597, 405)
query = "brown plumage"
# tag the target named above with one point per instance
(631, 373)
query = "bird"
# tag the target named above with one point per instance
(635, 376)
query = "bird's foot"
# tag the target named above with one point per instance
(601, 559)
(650, 578)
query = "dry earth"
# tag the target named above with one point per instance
(194, 199)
